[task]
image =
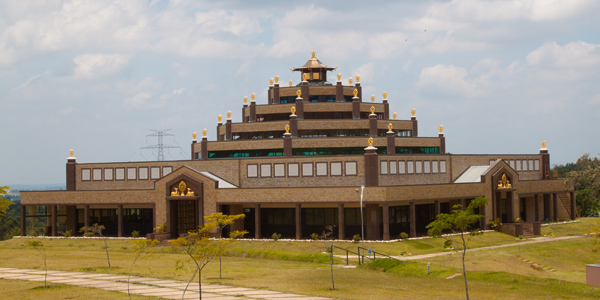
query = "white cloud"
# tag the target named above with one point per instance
(446, 80)
(90, 66)
(178, 91)
(574, 55)
(32, 79)
(138, 100)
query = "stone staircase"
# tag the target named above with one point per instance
(566, 201)
(527, 232)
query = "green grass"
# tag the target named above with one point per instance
(303, 267)
(27, 290)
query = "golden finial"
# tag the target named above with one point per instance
(370, 142)
(71, 152)
(220, 118)
(305, 76)
(384, 95)
(413, 111)
(390, 127)
(355, 92)
(339, 76)
(313, 54)
(293, 110)
(290, 82)
(276, 78)
(372, 109)
(298, 93)
(394, 115)
(372, 98)
(543, 145)
(350, 80)
(245, 99)
(228, 114)
(287, 128)
(204, 132)
(441, 128)
(270, 81)
(357, 78)
(252, 96)
(194, 135)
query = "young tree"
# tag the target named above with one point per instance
(460, 222)
(200, 249)
(39, 246)
(325, 235)
(140, 248)
(4, 203)
(96, 230)
(221, 220)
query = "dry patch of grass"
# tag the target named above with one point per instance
(27, 290)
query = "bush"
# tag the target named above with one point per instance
(314, 236)
(448, 244)
(495, 224)
(403, 235)
(276, 236)
(356, 238)
(521, 237)
(135, 233)
(551, 233)
(161, 228)
(68, 233)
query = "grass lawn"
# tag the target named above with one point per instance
(27, 290)
(302, 267)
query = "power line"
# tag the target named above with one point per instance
(159, 133)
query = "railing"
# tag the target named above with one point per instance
(361, 258)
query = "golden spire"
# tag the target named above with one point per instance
(390, 126)
(204, 132)
(384, 95)
(228, 114)
(293, 110)
(220, 118)
(290, 82)
(370, 142)
(71, 152)
(298, 93)
(252, 96)
(413, 111)
(355, 92)
(357, 78)
(350, 80)
(270, 81)
(194, 135)
(372, 109)
(287, 128)
(245, 99)
(305, 76)
(276, 78)
(441, 128)
(394, 115)
(313, 54)
(543, 145)
(372, 98)
(339, 76)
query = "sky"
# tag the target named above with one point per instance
(95, 76)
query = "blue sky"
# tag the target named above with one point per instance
(501, 76)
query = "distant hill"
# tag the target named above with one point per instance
(37, 187)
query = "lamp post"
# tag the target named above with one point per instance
(362, 225)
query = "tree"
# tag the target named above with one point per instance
(96, 230)
(221, 221)
(200, 249)
(325, 235)
(39, 246)
(585, 176)
(141, 247)
(4, 202)
(460, 222)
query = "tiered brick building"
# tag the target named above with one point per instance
(299, 163)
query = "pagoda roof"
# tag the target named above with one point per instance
(313, 63)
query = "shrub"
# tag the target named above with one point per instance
(447, 244)
(68, 233)
(403, 235)
(135, 233)
(356, 238)
(276, 236)
(315, 236)
(161, 228)
(518, 220)
(521, 237)
(551, 233)
(495, 224)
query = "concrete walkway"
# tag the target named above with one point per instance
(160, 288)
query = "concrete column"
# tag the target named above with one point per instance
(287, 144)
(373, 125)
(305, 91)
(437, 207)
(54, 219)
(120, 221)
(71, 223)
(554, 206)
(415, 129)
(573, 206)
(275, 94)
(386, 221)
(545, 163)
(339, 92)
(442, 143)
(244, 120)
(298, 221)
(204, 148)
(355, 108)
(252, 111)
(86, 215)
(359, 89)
(386, 110)
(391, 142)
(194, 142)
(257, 221)
(371, 167)
(23, 220)
(536, 200)
(220, 137)
(413, 220)
(228, 133)
(341, 222)
(294, 125)
(463, 204)
(71, 173)
(200, 205)
(270, 95)
(299, 108)
(372, 221)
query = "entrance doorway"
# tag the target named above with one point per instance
(185, 216)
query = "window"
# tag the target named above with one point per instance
(321, 168)
(410, 167)
(384, 167)
(120, 173)
(442, 166)
(393, 166)
(419, 167)
(108, 174)
(336, 169)
(434, 167)
(85, 174)
(167, 170)
(307, 169)
(401, 167)
(426, 167)
(524, 165)
(143, 173)
(154, 172)
(350, 168)
(537, 164)
(97, 174)
(131, 174)
(265, 170)
(252, 171)
(293, 170)
(279, 170)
